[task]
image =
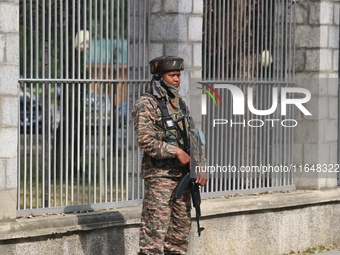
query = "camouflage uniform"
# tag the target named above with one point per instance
(165, 223)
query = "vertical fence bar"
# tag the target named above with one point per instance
(61, 103)
(227, 38)
(55, 70)
(47, 104)
(271, 46)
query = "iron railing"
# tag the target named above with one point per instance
(83, 64)
(248, 44)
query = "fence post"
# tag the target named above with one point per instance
(9, 66)
(176, 29)
(317, 53)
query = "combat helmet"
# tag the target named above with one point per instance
(166, 64)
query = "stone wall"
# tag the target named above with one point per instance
(317, 56)
(176, 29)
(317, 38)
(9, 74)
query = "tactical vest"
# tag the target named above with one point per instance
(193, 142)
(170, 124)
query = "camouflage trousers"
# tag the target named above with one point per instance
(165, 223)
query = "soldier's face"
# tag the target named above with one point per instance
(173, 78)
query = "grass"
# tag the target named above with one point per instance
(314, 250)
(82, 187)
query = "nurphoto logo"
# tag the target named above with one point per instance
(280, 99)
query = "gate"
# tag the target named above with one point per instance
(82, 65)
(248, 44)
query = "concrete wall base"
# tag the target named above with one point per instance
(268, 224)
(8, 198)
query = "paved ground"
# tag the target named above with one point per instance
(335, 252)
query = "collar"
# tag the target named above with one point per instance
(157, 90)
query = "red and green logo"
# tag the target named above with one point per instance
(213, 94)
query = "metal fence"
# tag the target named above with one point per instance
(82, 66)
(249, 44)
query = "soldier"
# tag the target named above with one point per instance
(162, 124)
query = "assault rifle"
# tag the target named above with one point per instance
(186, 181)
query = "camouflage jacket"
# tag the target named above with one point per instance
(157, 143)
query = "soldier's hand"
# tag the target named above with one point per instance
(201, 178)
(182, 157)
